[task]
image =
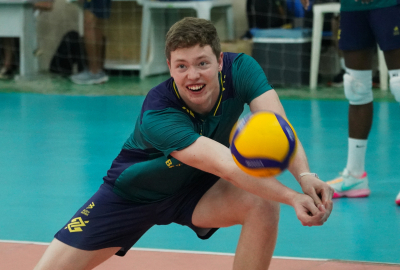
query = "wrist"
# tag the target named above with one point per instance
(290, 197)
(308, 173)
(305, 174)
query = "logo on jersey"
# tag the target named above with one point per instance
(76, 225)
(396, 31)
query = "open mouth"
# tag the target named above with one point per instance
(195, 88)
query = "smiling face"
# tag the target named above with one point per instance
(195, 72)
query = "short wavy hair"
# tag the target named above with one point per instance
(190, 32)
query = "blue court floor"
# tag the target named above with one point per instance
(55, 149)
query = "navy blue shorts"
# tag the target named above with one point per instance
(100, 8)
(364, 29)
(108, 220)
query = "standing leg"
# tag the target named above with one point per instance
(392, 58)
(337, 80)
(226, 205)
(61, 256)
(360, 116)
(9, 47)
(358, 90)
(94, 45)
(359, 64)
(93, 41)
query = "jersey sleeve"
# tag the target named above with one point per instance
(168, 130)
(249, 79)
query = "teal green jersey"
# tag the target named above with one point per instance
(352, 5)
(144, 171)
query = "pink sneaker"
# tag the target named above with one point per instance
(398, 199)
(349, 186)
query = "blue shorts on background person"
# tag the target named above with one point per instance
(100, 8)
(366, 28)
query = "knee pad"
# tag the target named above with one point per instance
(395, 87)
(358, 91)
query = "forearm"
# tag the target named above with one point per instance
(215, 158)
(267, 188)
(299, 164)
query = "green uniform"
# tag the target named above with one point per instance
(144, 171)
(352, 5)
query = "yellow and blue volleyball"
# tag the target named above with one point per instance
(263, 144)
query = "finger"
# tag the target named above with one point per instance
(328, 205)
(305, 218)
(320, 218)
(326, 213)
(327, 195)
(305, 215)
(314, 221)
(312, 209)
(315, 197)
(324, 195)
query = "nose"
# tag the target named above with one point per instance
(193, 73)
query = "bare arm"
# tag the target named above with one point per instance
(320, 192)
(213, 157)
(210, 156)
(305, 3)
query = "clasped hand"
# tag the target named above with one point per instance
(315, 205)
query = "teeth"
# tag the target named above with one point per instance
(195, 88)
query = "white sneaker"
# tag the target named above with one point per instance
(5, 74)
(398, 199)
(87, 77)
(349, 186)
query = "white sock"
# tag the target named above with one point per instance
(356, 157)
(342, 65)
(394, 73)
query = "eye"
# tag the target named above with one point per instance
(203, 63)
(181, 66)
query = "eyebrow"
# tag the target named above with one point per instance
(198, 58)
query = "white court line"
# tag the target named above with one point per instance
(169, 250)
(24, 242)
(208, 253)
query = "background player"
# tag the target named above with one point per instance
(95, 12)
(362, 25)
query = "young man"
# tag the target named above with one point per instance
(95, 12)
(177, 167)
(362, 25)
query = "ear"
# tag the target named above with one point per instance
(221, 61)
(169, 67)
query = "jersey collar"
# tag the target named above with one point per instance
(214, 110)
